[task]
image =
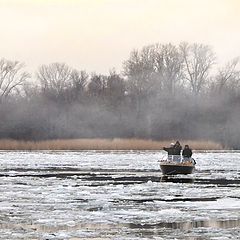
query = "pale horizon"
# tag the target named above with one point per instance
(98, 35)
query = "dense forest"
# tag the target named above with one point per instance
(164, 91)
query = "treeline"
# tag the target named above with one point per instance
(164, 91)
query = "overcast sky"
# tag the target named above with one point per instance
(97, 35)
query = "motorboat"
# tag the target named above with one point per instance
(173, 165)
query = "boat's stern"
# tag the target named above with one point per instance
(172, 168)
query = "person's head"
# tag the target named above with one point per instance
(186, 146)
(177, 143)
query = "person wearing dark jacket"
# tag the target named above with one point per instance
(170, 151)
(174, 151)
(177, 152)
(177, 148)
(187, 152)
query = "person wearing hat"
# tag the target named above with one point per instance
(177, 148)
(177, 152)
(170, 150)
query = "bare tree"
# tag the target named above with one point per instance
(139, 69)
(168, 65)
(97, 86)
(115, 89)
(30, 90)
(154, 69)
(228, 76)
(141, 83)
(198, 60)
(12, 77)
(79, 84)
(55, 78)
(79, 79)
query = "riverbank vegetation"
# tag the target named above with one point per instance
(163, 92)
(101, 144)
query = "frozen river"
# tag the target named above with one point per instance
(117, 195)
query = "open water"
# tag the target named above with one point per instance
(117, 195)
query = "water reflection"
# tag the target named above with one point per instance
(176, 180)
(223, 182)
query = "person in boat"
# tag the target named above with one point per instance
(177, 152)
(186, 153)
(174, 151)
(170, 151)
(177, 148)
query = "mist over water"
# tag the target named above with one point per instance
(164, 92)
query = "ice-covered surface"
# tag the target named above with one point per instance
(117, 195)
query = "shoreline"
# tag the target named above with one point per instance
(103, 144)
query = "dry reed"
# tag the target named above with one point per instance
(101, 144)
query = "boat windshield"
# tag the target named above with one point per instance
(179, 159)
